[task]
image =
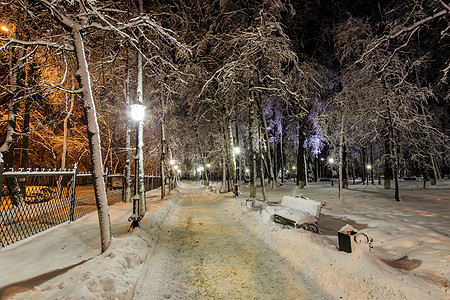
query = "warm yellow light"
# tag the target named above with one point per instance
(4, 28)
(369, 167)
(331, 160)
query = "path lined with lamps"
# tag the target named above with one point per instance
(203, 253)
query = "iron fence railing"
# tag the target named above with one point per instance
(34, 201)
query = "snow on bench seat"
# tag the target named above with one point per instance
(297, 211)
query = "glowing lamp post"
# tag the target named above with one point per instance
(236, 151)
(137, 113)
(331, 161)
(369, 168)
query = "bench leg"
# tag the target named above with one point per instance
(310, 227)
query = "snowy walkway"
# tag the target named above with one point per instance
(205, 254)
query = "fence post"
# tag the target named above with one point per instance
(72, 194)
(1, 176)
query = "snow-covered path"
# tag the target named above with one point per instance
(204, 254)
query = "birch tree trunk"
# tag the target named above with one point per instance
(94, 141)
(251, 138)
(232, 155)
(128, 180)
(140, 128)
(265, 144)
(163, 146)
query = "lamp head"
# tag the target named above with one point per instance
(137, 111)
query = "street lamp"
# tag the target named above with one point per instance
(137, 113)
(368, 167)
(236, 151)
(331, 161)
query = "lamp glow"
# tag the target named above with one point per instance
(4, 28)
(331, 160)
(236, 150)
(137, 111)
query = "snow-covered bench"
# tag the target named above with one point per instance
(298, 212)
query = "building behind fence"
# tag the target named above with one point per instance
(34, 201)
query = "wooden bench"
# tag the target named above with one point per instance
(298, 212)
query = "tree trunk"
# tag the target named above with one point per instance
(238, 156)
(7, 149)
(128, 165)
(232, 155)
(163, 147)
(263, 186)
(301, 165)
(344, 166)
(94, 141)
(252, 156)
(140, 135)
(66, 128)
(435, 176)
(387, 163)
(265, 142)
(341, 155)
(393, 153)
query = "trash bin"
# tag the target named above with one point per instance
(346, 240)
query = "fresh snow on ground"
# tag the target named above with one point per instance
(409, 258)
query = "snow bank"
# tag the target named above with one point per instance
(113, 274)
(361, 274)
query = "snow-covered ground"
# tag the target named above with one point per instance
(409, 259)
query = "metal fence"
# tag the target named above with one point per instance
(34, 201)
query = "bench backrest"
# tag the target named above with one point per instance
(308, 206)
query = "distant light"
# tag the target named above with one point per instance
(175, 167)
(322, 159)
(208, 166)
(179, 171)
(236, 150)
(4, 28)
(247, 170)
(137, 111)
(369, 167)
(331, 160)
(293, 167)
(172, 161)
(200, 169)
